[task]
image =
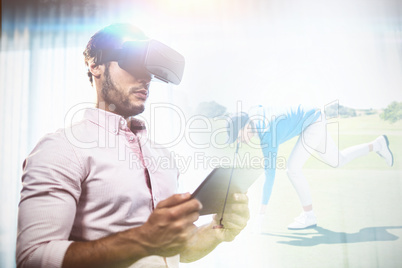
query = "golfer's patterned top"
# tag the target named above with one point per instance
(275, 126)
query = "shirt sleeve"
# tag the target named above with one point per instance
(51, 187)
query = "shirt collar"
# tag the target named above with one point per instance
(136, 125)
(113, 122)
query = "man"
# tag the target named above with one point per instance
(276, 125)
(90, 198)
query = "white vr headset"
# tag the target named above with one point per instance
(150, 56)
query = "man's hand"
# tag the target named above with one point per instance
(207, 237)
(170, 226)
(165, 233)
(235, 217)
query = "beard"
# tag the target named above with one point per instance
(112, 96)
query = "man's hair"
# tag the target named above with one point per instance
(110, 37)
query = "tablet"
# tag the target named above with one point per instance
(212, 191)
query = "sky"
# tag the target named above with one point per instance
(285, 52)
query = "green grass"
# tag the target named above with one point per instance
(358, 208)
(352, 131)
(345, 132)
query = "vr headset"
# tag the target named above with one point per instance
(149, 56)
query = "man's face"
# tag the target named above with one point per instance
(126, 92)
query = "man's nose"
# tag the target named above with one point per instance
(146, 85)
(145, 78)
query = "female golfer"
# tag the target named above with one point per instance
(273, 127)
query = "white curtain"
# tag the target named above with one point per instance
(13, 143)
(42, 75)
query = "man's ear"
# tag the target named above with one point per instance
(96, 70)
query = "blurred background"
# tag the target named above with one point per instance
(238, 54)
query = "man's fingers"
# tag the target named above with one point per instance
(238, 198)
(179, 206)
(185, 209)
(234, 221)
(174, 200)
(238, 208)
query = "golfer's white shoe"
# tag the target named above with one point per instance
(384, 151)
(304, 221)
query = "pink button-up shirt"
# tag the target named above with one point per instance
(88, 181)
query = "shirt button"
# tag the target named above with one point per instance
(122, 122)
(131, 138)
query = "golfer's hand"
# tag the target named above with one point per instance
(235, 217)
(170, 226)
